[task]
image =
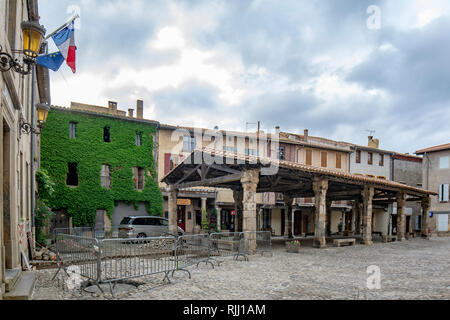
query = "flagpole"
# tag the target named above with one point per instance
(63, 26)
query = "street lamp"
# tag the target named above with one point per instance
(32, 33)
(42, 110)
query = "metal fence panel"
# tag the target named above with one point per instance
(131, 258)
(80, 252)
(192, 250)
(258, 242)
(226, 244)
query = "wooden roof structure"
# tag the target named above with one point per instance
(222, 169)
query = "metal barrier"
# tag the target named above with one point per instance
(80, 252)
(132, 258)
(258, 242)
(113, 260)
(228, 244)
(192, 250)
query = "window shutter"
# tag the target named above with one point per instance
(135, 177)
(445, 194)
(166, 163)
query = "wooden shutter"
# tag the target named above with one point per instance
(166, 163)
(338, 161)
(358, 156)
(309, 157)
(324, 156)
(135, 177)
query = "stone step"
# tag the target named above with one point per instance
(23, 288)
(11, 277)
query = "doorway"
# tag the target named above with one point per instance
(181, 217)
(297, 223)
(7, 196)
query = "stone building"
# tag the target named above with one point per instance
(103, 162)
(19, 151)
(436, 177)
(312, 151)
(407, 169)
(216, 205)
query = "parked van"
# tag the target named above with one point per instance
(144, 227)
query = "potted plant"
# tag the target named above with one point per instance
(293, 246)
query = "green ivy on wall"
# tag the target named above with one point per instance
(90, 152)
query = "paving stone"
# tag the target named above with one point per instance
(415, 269)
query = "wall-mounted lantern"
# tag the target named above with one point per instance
(33, 34)
(42, 112)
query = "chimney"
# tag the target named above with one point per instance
(306, 134)
(131, 113)
(112, 107)
(140, 109)
(373, 143)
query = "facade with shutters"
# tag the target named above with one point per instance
(436, 177)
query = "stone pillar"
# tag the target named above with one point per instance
(320, 187)
(250, 180)
(352, 224)
(367, 195)
(172, 204)
(328, 217)
(401, 217)
(357, 208)
(205, 223)
(288, 217)
(218, 220)
(426, 204)
(238, 196)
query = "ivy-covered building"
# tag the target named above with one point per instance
(103, 163)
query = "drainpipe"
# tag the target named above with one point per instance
(32, 200)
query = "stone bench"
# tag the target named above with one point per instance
(339, 242)
(389, 238)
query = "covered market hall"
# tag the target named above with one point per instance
(248, 175)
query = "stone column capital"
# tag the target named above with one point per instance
(250, 177)
(401, 199)
(426, 202)
(320, 185)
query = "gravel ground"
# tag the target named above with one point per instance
(415, 269)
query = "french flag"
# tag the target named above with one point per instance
(65, 41)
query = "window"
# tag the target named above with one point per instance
(139, 139)
(338, 161)
(11, 14)
(171, 161)
(251, 152)
(72, 175)
(281, 153)
(309, 157)
(358, 156)
(370, 158)
(138, 177)
(188, 144)
(381, 160)
(106, 176)
(444, 162)
(106, 134)
(444, 193)
(324, 159)
(72, 130)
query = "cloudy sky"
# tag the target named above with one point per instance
(338, 68)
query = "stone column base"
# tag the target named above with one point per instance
(320, 243)
(367, 242)
(401, 239)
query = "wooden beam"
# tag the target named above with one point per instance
(211, 182)
(224, 169)
(190, 173)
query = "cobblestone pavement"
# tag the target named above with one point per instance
(415, 269)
